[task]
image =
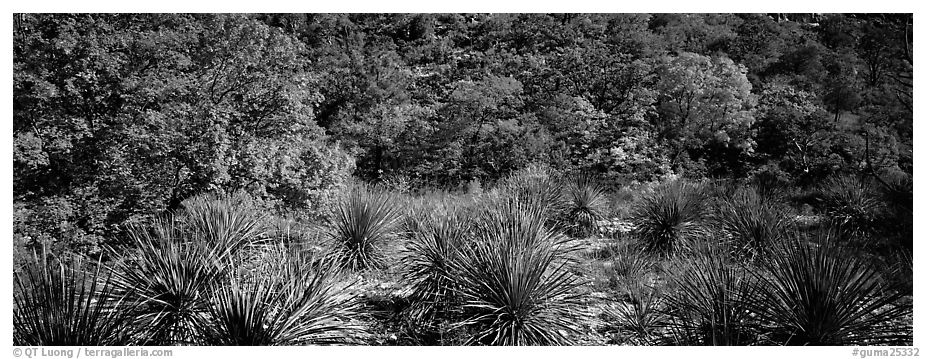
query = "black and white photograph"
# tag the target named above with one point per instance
(579, 179)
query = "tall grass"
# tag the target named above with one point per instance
(671, 217)
(514, 286)
(359, 225)
(58, 303)
(816, 293)
(295, 302)
(712, 301)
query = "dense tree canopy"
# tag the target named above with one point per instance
(118, 117)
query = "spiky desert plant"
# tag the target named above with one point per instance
(515, 288)
(850, 203)
(630, 261)
(586, 204)
(172, 277)
(533, 215)
(816, 293)
(670, 217)
(712, 302)
(223, 221)
(897, 218)
(770, 185)
(752, 223)
(295, 302)
(897, 269)
(434, 239)
(642, 313)
(68, 303)
(359, 225)
(537, 185)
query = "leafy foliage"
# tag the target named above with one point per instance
(119, 117)
(793, 127)
(140, 112)
(705, 101)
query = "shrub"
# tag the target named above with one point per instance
(711, 301)
(586, 204)
(296, 173)
(434, 240)
(515, 288)
(57, 303)
(816, 293)
(295, 302)
(671, 217)
(399, 183)
(56, 224)
(359, 226)
(750, 222)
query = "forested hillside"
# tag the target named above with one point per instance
(119, 118)
(453, 179)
